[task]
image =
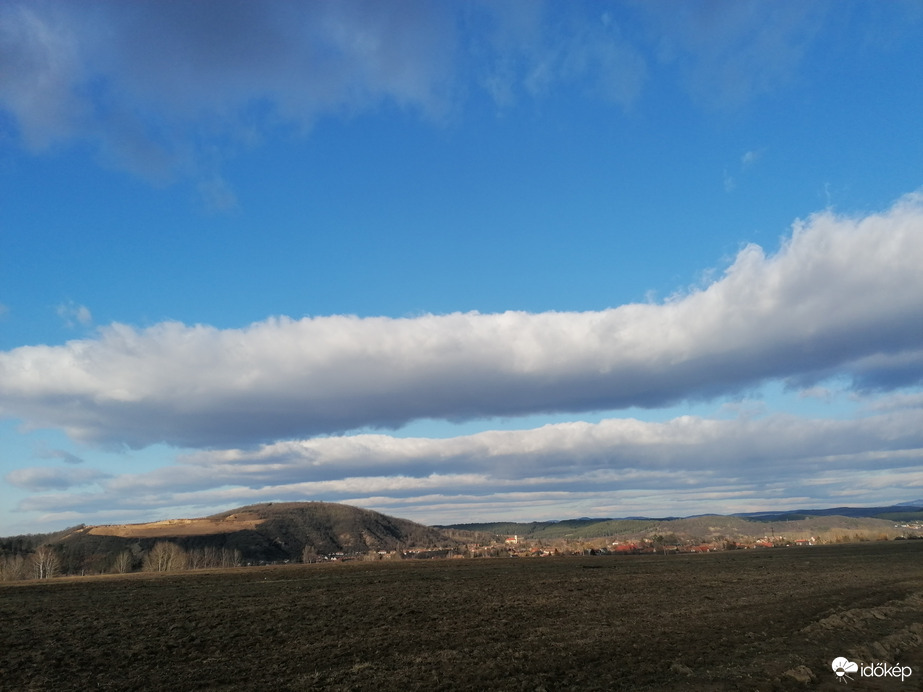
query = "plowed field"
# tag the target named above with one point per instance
(768, 619)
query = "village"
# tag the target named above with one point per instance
(516, 546)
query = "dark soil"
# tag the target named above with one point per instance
(768, 619)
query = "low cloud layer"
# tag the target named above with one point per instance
(842, 297)
(686, 465)
(44, 478)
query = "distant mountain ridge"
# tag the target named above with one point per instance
(869, 512)
(749, 523)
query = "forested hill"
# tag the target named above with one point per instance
(263, 532)
(330, 528)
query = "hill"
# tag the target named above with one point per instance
(271, 532)
(690, 529)
(296, 531)
(331, 528)
(906, 510)
(548, 530)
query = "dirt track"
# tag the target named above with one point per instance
(748, 620)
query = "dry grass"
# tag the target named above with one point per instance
(179, 527)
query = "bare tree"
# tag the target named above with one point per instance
(12, 568)
(45, 562)
(123, 562)
(165, 557)
(197, 558)
(230, 557)
(212, 557)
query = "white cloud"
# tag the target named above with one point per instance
(73, 314)
(843, 296)
(747, 161)
(616, 467)
(820, 393)
(168, 91)
(896, 402)
(41, 478)
(145, 80)
(750, 158)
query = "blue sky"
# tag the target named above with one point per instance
(457, 261)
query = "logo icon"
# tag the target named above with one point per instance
(841, 666)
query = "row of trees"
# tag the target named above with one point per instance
(45, 561)
(165, 556)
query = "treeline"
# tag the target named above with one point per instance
(41, 563)
(166, 556)
(29, 556)
(21, 560)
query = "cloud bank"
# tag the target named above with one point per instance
(843, 296)
(613, 467)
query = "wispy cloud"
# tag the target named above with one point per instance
(731, 53)
(747, 161)
(170, 91)
(531, 49)
(44, 478)
(148, 82)
(730, 183)
(750, 158)
(46, 452)
(73, 314)
(841, 297)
